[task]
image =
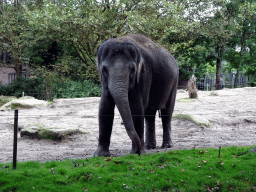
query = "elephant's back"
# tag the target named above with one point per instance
(164, 70)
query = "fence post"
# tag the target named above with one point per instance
(15, 138)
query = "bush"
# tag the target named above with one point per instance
(252, 81)
(76, 89)
(59, 88)
(32, 87)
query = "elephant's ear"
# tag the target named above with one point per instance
(97, 63)
(140, 69)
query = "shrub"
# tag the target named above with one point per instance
(76, 89)
(32, 87)
(48, 87)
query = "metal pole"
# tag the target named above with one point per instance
(15, 139)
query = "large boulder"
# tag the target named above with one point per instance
(198, 119)
(24, 102)
(43, 132)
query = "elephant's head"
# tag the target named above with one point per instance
(119, 64)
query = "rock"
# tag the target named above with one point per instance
(43, 132)
(253, 150)
(213, 93)
(198, 119)
(181, 91)
(24, 102)
(26, 97)
(249, 119)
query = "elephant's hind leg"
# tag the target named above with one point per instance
(150, 129)
(166, 121)
(166, 115)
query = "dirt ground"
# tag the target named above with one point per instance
(232, 115)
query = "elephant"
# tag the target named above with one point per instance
(139, 77)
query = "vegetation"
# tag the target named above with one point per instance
(41, 89)
(183, 170)
(32, 86)
(61, 37)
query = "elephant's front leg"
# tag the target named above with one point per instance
(106, 116)
(137, 111)
(139, 127)
(150, 129)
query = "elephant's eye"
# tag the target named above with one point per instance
(132, 74)
(104, 72)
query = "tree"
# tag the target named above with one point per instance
(247, 29)
(13, 34)
(84, 24)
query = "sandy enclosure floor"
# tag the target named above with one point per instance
(232, 115)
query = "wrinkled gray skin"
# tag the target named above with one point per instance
(139, 77)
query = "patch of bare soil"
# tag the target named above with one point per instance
(232, 115)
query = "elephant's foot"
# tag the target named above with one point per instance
(139, 152)
(150, 145)
(102, 152)
(167, 144)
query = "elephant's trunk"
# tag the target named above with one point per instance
(119, 92)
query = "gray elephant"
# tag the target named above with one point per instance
(139, 77)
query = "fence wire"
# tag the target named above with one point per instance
(226, 81)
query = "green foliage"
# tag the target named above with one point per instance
(59, 35)
(76, 89)
(71, 67)
(31, 87)
(48, 87)
(14, 34)
(184, 72)
(191, 170)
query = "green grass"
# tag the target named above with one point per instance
(183, 170)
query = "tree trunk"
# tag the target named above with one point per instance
(218, 67)
(240, 56)
(17, 67)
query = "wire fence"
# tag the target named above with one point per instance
(226, 81)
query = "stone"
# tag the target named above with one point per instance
(214, 93)
(26, 97)
(198, 119)
(43, 132)
(249, 119)
(24, 102)
(253, 149)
